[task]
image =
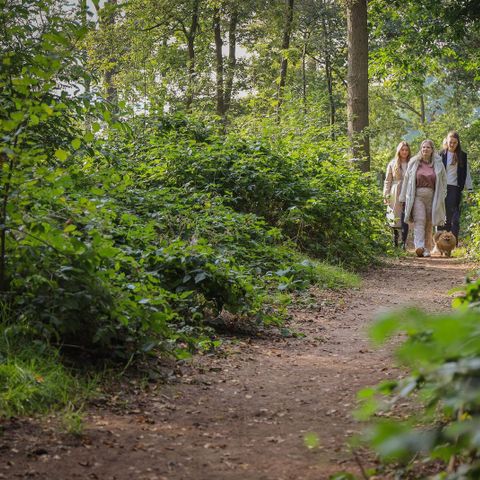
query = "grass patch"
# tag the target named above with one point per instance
(331, 276)
(34, 380)
(37, 385)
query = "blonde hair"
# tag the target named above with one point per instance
(433, 149)
(398, 164)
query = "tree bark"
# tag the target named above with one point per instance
(328, 71)
(232, 58)
(422, 110)
(108, 21)
(190, 35)
(3, 219)
(357, 80)
(219, 63)
(304, 74)
(287, 31)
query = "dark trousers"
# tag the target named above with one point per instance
(404, 230)
(452, 207)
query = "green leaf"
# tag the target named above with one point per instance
(69, 228)
(17, 116)
(76, 143)
(199, 277)
(62, 155)
(108, 252)
(182, 354)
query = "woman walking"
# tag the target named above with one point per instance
(455, 161)
(391, 191)
(423, 192)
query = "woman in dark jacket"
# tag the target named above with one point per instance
(455, 161)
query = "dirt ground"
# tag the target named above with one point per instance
(242, 413)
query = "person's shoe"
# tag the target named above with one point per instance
(403, 246)
(419, 251)
(426, 253)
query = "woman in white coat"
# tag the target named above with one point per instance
(391, 191)
(423, 191)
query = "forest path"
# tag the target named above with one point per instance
(243, 413)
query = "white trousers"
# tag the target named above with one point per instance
(422, 218)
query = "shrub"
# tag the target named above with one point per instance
(442, 354)
(329, 209)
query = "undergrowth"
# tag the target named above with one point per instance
(124, 235)
(437, 435)
(33, 379)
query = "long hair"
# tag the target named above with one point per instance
(398, 164)
(457, 158)
(433, 149)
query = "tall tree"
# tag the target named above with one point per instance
(287, 32)
(232, 56)
(225, 70)
(107, 21)
(357, 80)
(190, 34)
(328, 65)
(323, 25)
(219, 62)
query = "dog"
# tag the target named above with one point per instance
(444, 242)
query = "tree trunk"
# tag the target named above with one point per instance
(422, 110)
(86, 23)
(304, 74)
(3, 218)
(107, 20)
(232, 58)
(331, 99)
(328, 71)
(287, 31)
(357, 80)
(219, 65)
(191, 34)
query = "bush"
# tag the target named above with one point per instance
(471, 217)
(114, 264)
(329, 209)
(442, 354)
(116, 238)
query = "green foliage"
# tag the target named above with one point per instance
(442, 355)
(73, 421)
(472, 219)
(121, 235)
(33, 378)
(33, 381)
(25, 390)
(327, 208)
(106, 255)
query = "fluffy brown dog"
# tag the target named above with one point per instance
(444, 242)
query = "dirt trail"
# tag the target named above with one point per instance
(243, 414)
